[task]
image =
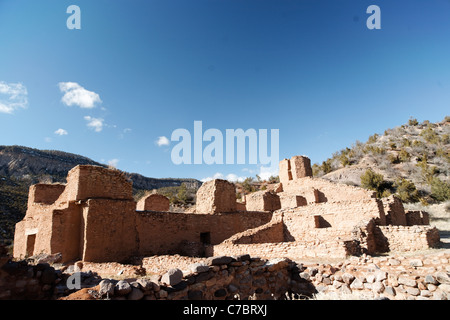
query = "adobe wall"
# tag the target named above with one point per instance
(66, 231)
(284, 171)
(262, 201)
(292, 250)
(168, 232)
(153, 202)
(300, 167)
(394, 211)
(295, 168)
(109, 230)
(44, 193)
(343, 215)
(33, 234)
(273, 231)
(417, 218)
(327, 190)
(291, 200)
(216, 196)
(410, 238)
(86, 181)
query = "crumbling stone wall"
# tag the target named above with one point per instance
(154, 202)
(70, 226)
(216, 196)
(262, 201)
(20, 280)
(292, 250)
(86, 181)
(410, 238)
(327, 191)
(109, 230)
(295, 168)
(168, 232)
(44, 193)
(343, 215)
(417, 218)
(394, 211)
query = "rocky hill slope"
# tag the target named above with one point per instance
(21, 167)
(412, 160)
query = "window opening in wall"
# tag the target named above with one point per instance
(31, 239)
(205, 238)
(320, 222)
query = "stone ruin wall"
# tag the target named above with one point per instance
(44, 193)
(410, 238)
(102, 224)
(178, 232)
(216, 196)
(262, 201)
(153, 202)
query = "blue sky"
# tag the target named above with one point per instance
(138, 70)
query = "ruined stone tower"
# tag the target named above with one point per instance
(295, 168)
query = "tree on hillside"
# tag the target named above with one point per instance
(374, 181)
(406, 190)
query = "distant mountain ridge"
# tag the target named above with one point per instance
(25, 163)
(20, 167)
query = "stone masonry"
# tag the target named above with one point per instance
(94, 218)
(153, 202)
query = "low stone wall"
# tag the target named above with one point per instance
(291, 250)
(410, 238)
(243, 277)
(366, 277)
(217, 278)
(19, 280)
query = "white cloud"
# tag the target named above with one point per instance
(162, 141)
(113, 163)
(218, 175)
(234, 178)
(13, 96)
(61, 132)
(94, 123)
(230, 177)
(266, 172)
(74, 94)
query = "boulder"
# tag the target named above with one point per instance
(122, 288)
(172, 277)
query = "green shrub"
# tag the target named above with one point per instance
(406, 190)
(326, 166)
(344, 160)
(316, 169)
(248, 186)
(373, 181)
(413, 122)
(373, 138)
(404, 156)
(440, 190)
(406, 142)
(430, 135)
(393, 159)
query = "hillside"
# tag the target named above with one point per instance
(21, 167)
(411, 160)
